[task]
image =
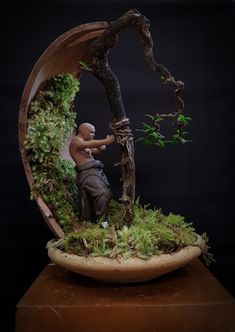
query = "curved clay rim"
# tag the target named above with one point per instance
(62, 55)
(125, 270)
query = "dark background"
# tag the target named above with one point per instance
(195, 41)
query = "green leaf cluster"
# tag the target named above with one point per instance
(153, 136)
(179, 137)
(84, 66)
(50, 121)
(184, 120)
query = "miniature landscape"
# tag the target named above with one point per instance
(50, 120)
(113, 240)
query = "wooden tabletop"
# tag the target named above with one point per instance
(189, 299)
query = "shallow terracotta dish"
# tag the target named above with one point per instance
(125, 270)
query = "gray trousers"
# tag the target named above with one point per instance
(93, 190)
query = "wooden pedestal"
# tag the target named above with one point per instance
(186, 300)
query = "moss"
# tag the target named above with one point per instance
(207, 256)
(151, 233)
(50, 121)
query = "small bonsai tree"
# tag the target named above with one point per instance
(120, 124)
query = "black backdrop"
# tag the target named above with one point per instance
(195, 41)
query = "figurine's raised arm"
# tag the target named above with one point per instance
(83, 145)
(108, 140)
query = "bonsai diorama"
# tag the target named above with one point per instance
(98, 236)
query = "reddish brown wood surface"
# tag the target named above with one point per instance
(63, 55)
(189, 299)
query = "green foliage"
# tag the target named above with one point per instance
(90, 240)
(50, 121)
(179, 137)
(151, 233)
(153, 136)
(85, 66)
(182, 119)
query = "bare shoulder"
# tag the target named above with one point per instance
(77, 142)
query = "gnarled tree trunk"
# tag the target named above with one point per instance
(120, 124)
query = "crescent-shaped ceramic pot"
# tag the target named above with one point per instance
(61, 56)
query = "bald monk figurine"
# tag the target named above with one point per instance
(93, 187)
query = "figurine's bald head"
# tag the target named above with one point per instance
(86, 131)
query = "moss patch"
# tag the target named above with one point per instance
(151, 233)
(50, 121)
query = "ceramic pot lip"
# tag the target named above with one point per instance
(124, 270)
(54, 244)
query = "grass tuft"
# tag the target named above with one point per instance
(151, 233)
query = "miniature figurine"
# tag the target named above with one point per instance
(93, 188)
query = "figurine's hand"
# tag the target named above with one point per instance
(102, 148)
(110, 139)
